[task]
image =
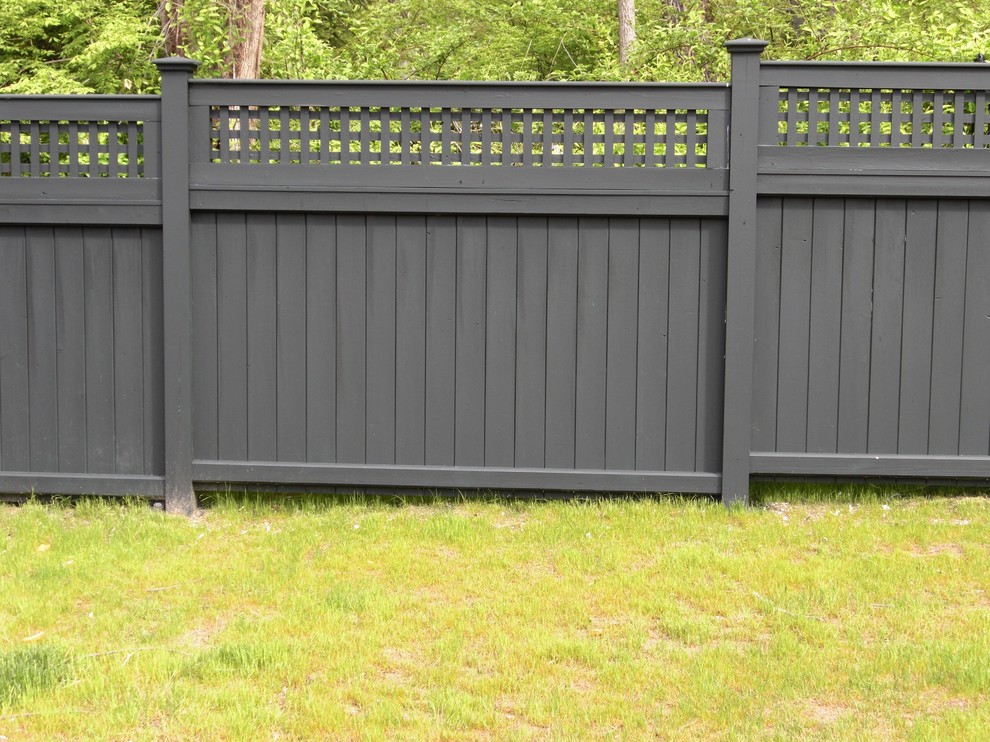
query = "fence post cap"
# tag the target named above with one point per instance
(738, 46)
(176, 64)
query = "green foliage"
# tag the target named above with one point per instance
(107, 45)
(79, 46)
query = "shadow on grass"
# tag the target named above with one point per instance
(295, 499)
(765, 492)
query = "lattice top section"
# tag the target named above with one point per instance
(72, 149)
(519, 137)
(865, 117)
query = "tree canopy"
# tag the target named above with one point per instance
(107, 46)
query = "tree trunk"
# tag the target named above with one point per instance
(247, 32)
(169, 12)
(627, 29)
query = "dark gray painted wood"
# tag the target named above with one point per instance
(711, 346)
(206, 339)
(857, 308)
(872, 465)
(176, 269)
(825, 325)
(410, 340)
(385, 198)
(232, 331)
(42, 483)
(621, 368)
(885, 347)
(530, 405)
(71, 334)
(381, 276)
(682, 348)
(153, 326)
(766, 328)
(497, 338)
(321, 335)
(562, 301)
(98, 311)
(592, 353)
(80, 362)
(916, 333)
(467, 477)
(470, 341)
(458, 94)
(262, 307)
(651, 362)
(500, 341)
(291, 336)
(42, 353)
(15, 453)
(947, 326)
(351, 338)
(741, 282)
(974, 420)
(441, 303)
(795, 322)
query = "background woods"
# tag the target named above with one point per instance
(107, 46)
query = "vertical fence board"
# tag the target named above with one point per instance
(592, 328)
(205, 337)
(321, 334)
(531, 343)
(620, 371)
(795, 322)
(262, 308)
(153, 352)
(885, 347)
(351, 338)
(380, 368)
(42, 354)
(470, 341)
(562, 277)
(232, 332)
(441, 304)
(857, 308)
(711, 346)
(766, 322)
(127, 363)
(98, 270)
(70, 334)
(410, 334)
(916, 333)
(651, 362)
(974, 422)
(947, 327)
(291, 336)
(682, 349)
(15, 420)
(826, 324)
(500, 341)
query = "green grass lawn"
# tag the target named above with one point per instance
(295, 618)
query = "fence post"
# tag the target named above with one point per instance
(741, 286)
(176, 277)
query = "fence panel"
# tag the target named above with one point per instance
(80, 357)
(481, 342)
(873, 327)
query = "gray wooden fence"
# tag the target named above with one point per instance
(554, 287)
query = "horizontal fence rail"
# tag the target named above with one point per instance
(620, 287)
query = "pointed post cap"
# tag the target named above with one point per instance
(741, 46)
(176, 64)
